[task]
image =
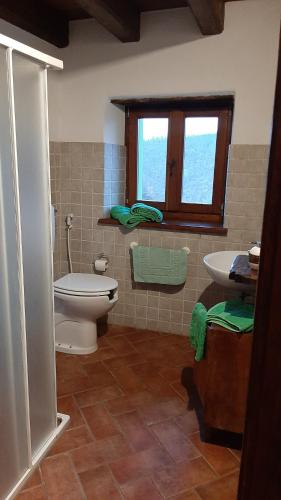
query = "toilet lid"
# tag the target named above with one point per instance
(85, 283)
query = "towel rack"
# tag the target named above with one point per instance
(135, 244)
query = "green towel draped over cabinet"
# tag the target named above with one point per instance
(235, 316)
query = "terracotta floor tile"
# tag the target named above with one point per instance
(143, 335)
(160, 388)
(94, 396)
(224, 488)
(221, 459)
(237, 453)
(98, 484)
(141, 489)
(155, 412)
(174, 441)
(139, 464)
(78, 436)
(146, 369)
(187, 495)
(34, 480)
(100, 452)
(101, 354)
(128, 380)
(180, 390)
(188, 422)
(127, 360)
(75, 384)
(183, 476)
(99, 375)
(171, 339)
(125, 404)
(68, 367)
(179, 356)
(120, 405)
(171, 373)
(152, 346)
(102, 340)
(130, 395)
(100, 422)
(60, 478)
(68, 405)
(36, 493)
(115, 330)
(137, 434)
(121, 345)
(169, 355)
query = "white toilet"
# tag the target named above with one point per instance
(80, 299)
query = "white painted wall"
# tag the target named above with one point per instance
(172, 58)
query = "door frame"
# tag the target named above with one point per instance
(260, 474)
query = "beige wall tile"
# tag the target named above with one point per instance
(88, 178)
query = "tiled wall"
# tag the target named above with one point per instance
(88, 178)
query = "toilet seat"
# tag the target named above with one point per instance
(85, 285)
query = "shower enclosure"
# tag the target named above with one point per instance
(28, 412)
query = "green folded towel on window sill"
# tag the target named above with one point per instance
(235, 316)
(139, 212)
(124, 216)
(150, 213)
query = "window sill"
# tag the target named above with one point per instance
(175, 225)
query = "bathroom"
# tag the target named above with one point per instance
(127, 400)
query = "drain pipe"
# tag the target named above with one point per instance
(68, 223)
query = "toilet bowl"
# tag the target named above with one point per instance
(80, 299)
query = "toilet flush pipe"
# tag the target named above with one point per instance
(68, 223)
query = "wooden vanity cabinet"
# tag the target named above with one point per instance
(222, 377)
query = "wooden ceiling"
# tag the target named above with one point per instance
(49, 19)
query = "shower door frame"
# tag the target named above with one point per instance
(46, 62)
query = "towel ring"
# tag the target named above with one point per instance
(135, 244)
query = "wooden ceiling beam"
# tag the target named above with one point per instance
(121, 18)
(209, 15)
(36, 18)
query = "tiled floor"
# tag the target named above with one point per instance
(131, 435)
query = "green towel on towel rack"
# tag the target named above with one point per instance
(159, 265)
(139, 212)
(235, 316)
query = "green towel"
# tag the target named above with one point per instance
(139, 212)
(124, 216)
(197, 331)
(150, 213)
(235, 316)
(159, 265)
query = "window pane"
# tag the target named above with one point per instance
(152, 158)
(199, 160)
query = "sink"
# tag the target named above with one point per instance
(218, 266)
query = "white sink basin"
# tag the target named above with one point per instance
(218, 266)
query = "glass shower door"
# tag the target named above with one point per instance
(28, 412)
(30, 91)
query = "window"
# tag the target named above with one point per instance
(177, 156)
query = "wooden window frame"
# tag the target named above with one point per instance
(177, 111)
